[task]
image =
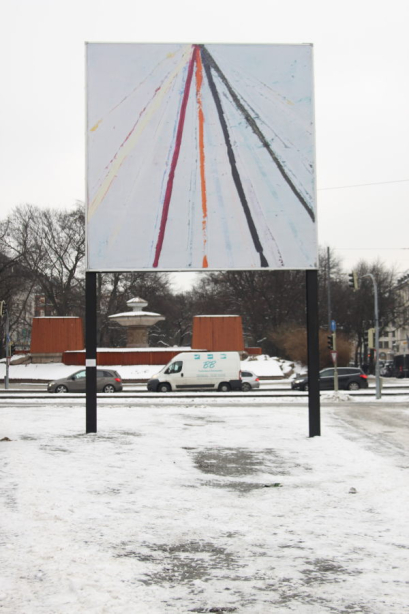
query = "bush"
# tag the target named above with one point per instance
(292, 343)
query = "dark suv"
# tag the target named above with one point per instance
(349, 378)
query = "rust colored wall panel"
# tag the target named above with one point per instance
(56, 334)
(218, 333)
(254, 351)
(74, 358)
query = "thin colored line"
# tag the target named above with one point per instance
(208, 59)
(178, 142)
(199, 81)
(135, 89)
(235, 173)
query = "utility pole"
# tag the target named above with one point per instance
(329, 288)
(376, 310)
(332, 325)
(353, 282)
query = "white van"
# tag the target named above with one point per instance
(199, 371)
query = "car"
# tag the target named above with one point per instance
(349, 378)
(386, 369)
(107, 381)
(401, 365)
(250, 381)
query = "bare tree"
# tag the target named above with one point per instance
(264, 299)
(49, 245)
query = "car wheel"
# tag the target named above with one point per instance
(109, 388)
(224, 387)
(246, 387)
(353, 386)
(61, 388)
(163, 388)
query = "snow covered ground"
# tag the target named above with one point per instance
(203, 507)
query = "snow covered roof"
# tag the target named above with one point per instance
(135, 314)
(228, 315)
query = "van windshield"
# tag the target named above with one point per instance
(175, 367)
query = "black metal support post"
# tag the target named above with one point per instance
(313, 353)
(91, 351)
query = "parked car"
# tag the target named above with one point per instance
(107, 381)
(250, 381)
(401, 365)
(349, 378)
(386, 370)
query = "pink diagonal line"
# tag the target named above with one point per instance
(175, 157)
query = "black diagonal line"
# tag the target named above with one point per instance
(208, 59)
(232, 160)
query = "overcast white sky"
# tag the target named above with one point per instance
(361, 53)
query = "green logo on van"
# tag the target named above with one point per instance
(209, 364)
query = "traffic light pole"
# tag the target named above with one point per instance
(376, 309)
(332, 345)
(336, 386)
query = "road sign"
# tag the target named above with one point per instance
(333, 326)
(334, 357)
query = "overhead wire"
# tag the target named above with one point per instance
(362, 185)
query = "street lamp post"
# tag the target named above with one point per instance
(4, 312)
(6, 379)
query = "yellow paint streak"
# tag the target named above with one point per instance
(96, 126)
(127, 147)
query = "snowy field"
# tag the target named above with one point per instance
(199, 507)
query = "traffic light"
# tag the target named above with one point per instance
(371, 338)
(331, 341)
(353, 280)
(366, 337)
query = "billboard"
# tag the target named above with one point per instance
(200, 157)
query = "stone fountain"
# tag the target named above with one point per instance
(137, 322)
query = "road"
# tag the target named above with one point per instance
(278, 387)
(383, 425)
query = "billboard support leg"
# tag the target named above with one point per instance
(313, 354)
(91, 351)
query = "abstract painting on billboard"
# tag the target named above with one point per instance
(200, 157)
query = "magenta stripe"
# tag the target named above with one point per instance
(178, 142)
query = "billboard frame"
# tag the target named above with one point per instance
(287, 174)
(312, 344)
